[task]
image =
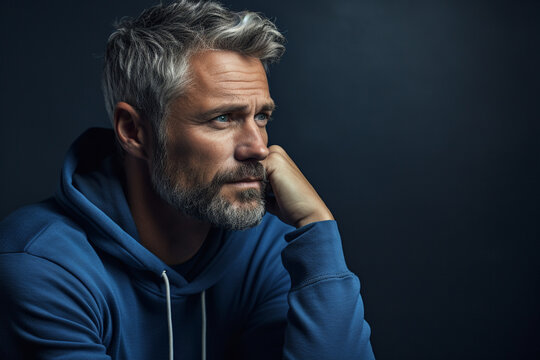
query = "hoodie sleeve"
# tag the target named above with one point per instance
(326, 313)
(46, 312)
(325, 317)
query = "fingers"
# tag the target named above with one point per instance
(296, 202)
(278, 151)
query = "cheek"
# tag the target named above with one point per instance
(202, 157)
(264, 134)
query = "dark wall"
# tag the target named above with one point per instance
(417, 121)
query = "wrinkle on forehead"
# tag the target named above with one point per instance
(222, 78)
(218, 68)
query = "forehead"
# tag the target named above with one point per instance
(227, 74)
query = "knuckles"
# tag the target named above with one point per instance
(276, 156)
(279, 158)
(276, 149)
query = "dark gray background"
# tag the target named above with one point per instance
(417, 121)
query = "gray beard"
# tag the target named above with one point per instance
(204, 201)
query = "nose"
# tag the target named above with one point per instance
(252, 142)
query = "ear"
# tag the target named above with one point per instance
(131, 131)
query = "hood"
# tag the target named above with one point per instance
(91, 190)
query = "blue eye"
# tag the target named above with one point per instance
(222, 118)
(262, 117)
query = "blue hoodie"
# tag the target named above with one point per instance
(77, 284)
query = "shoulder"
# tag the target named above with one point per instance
(45, 257)
(23, 227)
(41, 234)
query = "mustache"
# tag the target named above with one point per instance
(245, 170)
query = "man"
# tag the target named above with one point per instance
(157, 243)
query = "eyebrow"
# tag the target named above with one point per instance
(227, 109)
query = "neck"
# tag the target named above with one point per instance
(168, 233)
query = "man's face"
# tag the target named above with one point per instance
(215, 135)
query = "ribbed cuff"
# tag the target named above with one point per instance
(314, 252)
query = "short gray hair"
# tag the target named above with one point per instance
(147, 58)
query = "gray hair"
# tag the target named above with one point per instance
(147, 58)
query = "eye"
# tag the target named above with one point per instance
(222, 118)
(262, 118)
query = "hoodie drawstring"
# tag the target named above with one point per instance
(203, 335)
(169, 319)
(169, 314)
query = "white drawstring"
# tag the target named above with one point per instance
(169, 319)
(203, 335)
(169, 314)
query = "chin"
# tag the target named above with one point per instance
(238, 215)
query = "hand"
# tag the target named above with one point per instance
(296, 202)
